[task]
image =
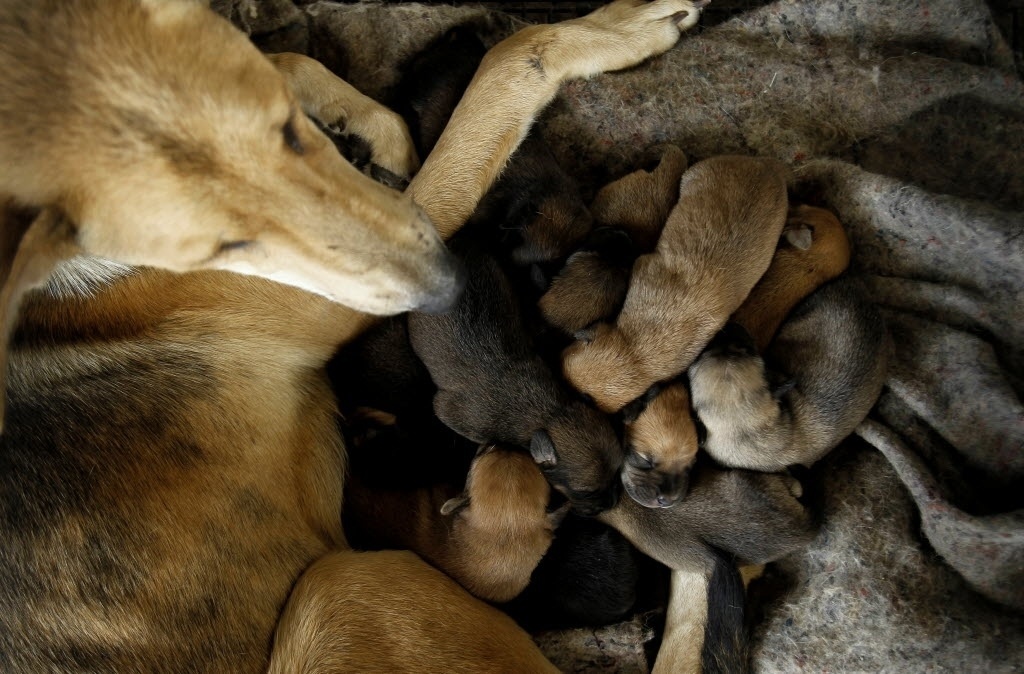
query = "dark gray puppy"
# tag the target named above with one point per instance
(832, 351)
(493, 387)
(729, 516)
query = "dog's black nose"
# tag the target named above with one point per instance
(452, 273)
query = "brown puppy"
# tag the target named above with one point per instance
(814, 249)
(493, 387)
(718, 241)
(195, 472)
(729, 516)
(640, 202)
(833, 352)
(661, 447)
(489, 538)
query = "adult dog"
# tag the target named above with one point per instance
(170, 466)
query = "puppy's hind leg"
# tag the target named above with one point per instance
(517, 78)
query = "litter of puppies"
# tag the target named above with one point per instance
(628, 303)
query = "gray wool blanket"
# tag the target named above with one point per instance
(906, 118)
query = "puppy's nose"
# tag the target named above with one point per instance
(452, 281)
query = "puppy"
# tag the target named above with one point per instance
(729, 516)
(661, 446)
(640, 202)
(588, 577)
(489, 538)
(833, 352)
(814, 249)
(592, 284)
(718, 241)
(492, 387)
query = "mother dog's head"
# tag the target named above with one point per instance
(167, 139)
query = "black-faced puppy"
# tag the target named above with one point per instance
(729, 516)
(814, 249)
(492, 386)
(489, 538)
(718, 241)
(592, 284)
(588, 577)
(661, 446)
(639, 203)
(832, 352)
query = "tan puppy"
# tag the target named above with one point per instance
(489, 538)
(194, 476)
(718, 241)
(661, 447)
(814, 249)
(639, 203)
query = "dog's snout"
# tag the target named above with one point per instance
(451, 280)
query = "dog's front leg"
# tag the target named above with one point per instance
(517, 78)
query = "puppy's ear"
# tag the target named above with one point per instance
(591, 332)
(29, 251)
(542, 449)
(453, 505)
(783, 388)
(556, 516)
(633, 410)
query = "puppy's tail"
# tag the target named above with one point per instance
(704, 628)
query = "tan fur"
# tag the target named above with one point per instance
(717, 243)
(640, 202)
(584, 291)
(665, 436)
(391, 612)
(490, 538)
(794, 273)
(685, 621)
(172, 451)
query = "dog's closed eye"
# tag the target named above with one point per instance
(291, 137)
(228, 246)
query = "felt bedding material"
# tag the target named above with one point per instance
(905, 117)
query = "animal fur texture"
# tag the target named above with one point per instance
(184, 509)
(493, 387)
(832, 351)
(717, 243)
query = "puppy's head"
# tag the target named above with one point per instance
(580, 456)
(505, 491)
(601, 365)
(661, 447)
(198, 156)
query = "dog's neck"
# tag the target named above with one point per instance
(83, 275)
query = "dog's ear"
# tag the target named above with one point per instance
(633, 410)
(453, 505)
(591, 332)
(542, 449)
(800, 236)
(29, 251)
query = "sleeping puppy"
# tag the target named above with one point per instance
(814, 249)
(534, 210)
(640, 202)
(832, 351)
(661, 446)
(718, 241)
(592, 284)
(729, 516)
(588, 577)
(489, 538)
(492, 387)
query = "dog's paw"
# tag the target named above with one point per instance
(391, 143)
